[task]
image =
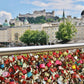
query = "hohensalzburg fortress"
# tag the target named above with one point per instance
(39, 13)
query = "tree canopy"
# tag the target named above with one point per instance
(41, 19)
(35, 37)
(66, 31)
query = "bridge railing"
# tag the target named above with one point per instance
(22, 50)
(49, 64)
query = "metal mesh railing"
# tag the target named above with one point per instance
(50, 64)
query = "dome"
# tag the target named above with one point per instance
(25, 21)
(82, 13)
(6, 24)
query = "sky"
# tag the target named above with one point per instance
(10, 9)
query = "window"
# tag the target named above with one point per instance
(16, 36)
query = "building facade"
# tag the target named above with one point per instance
(12, 34)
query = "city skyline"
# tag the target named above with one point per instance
(11, 8)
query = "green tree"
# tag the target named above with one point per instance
(43, 37)
(66, 31)
(50, 20)
(41, 19)
(0, 25)
(26, 37)
(35, 37)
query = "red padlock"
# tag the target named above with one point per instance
(45, 78)
(45, 56)
(54, 53)
(51, 57)
(1, 78)
(24, 71)
(19, 57)
(35, 72)
(24, 82)
(42, 65)
(23, 76)
(52, 70)
(32, 59)
(7, 61)
(49, 64)
(10, 70)
(57, 75)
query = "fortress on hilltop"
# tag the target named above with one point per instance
(37, 14)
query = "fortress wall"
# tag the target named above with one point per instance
(38, 13)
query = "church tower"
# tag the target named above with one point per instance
(63, 16)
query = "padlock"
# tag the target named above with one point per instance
(49, 64)
(7, 81)
(20, 73)
(46, 74)
(24, 65)
(23, 76)
(29, 74)
(45, 78)
(28, 69)
(49, 80)
(42, 66)
(52, 70)
(24, 71)
(2, 66)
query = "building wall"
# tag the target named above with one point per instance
(8, 34)
(4, 36)
(80, 33)
(19, 30)
(18, 23)
(36, 27)
(50, 30)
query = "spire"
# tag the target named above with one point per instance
(63, 14)
(63, 17)
(17, 18)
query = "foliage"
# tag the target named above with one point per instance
(41, 19)
(66, 31)
(35, 37)
(50, 20)
(59, 19)
(0, 25)
(12, 25)
(43, 37)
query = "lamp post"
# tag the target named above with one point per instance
(46, 39)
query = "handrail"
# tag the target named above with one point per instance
(28, 49)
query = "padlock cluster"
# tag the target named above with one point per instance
(54, 67)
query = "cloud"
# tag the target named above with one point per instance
(41, 4)
(72, 6)
(5, 15)
(60, 12)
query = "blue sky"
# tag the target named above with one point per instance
(11, 8)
